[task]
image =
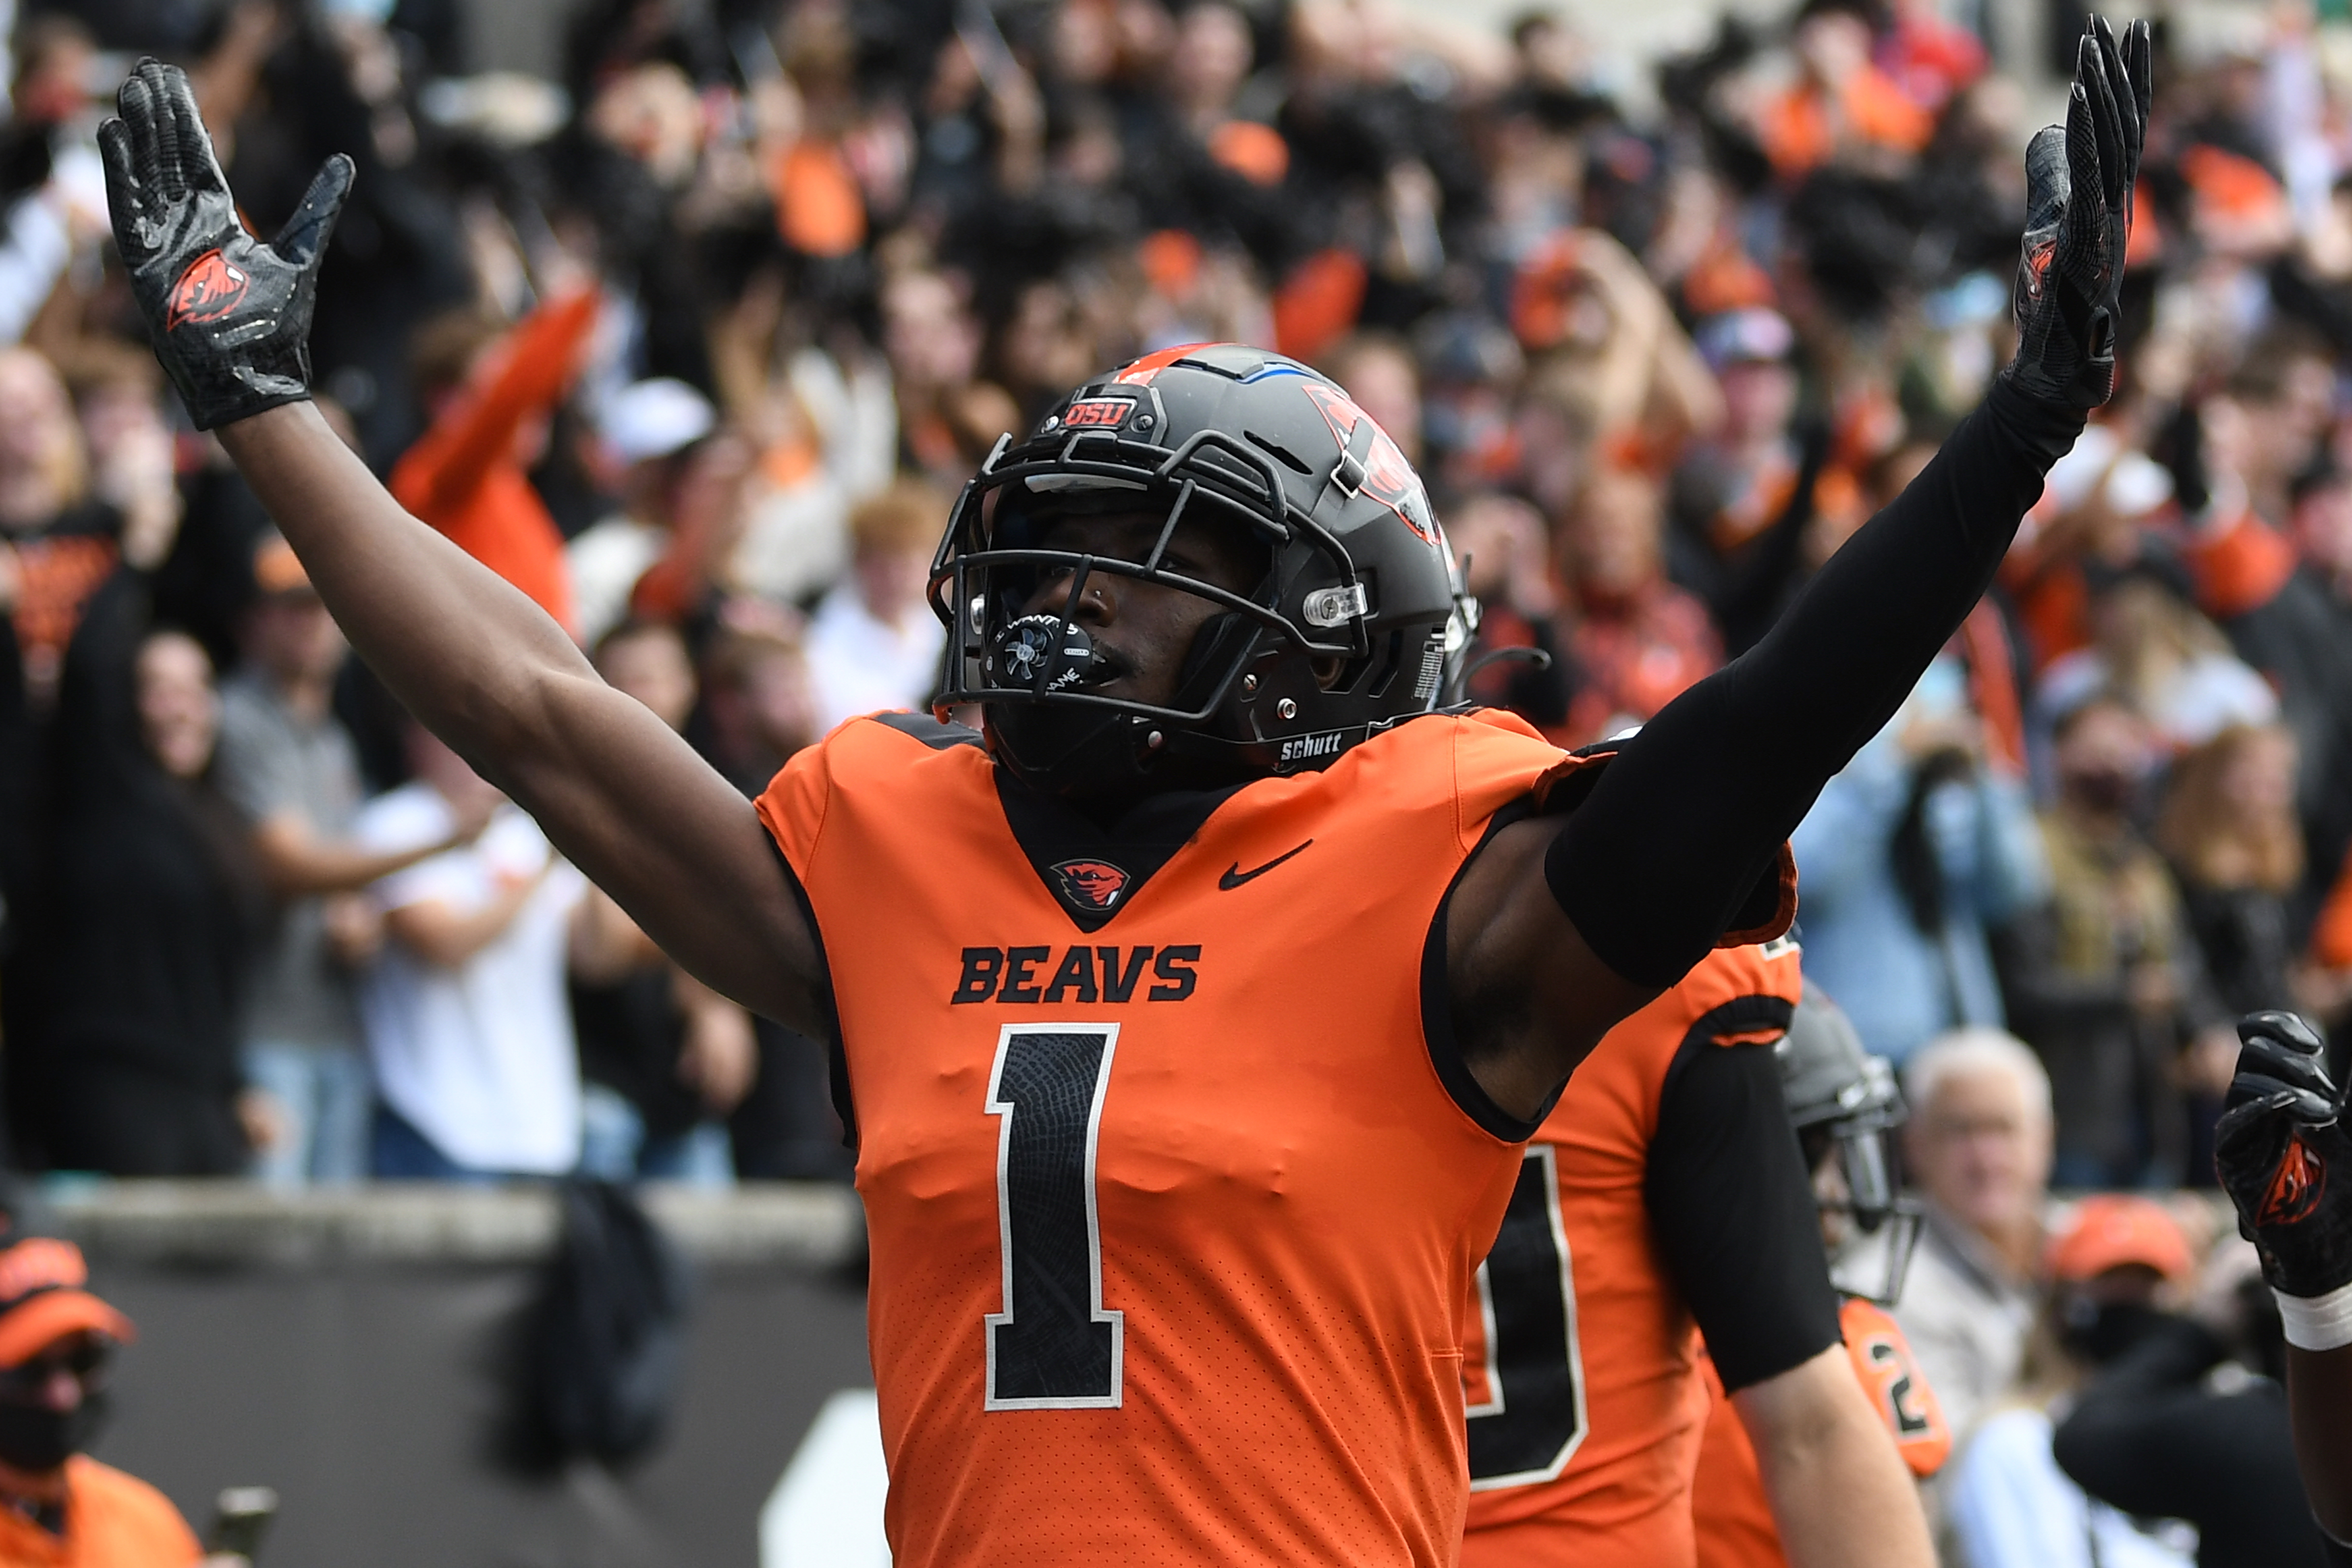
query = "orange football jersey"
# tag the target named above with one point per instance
(1171, 1215)
(1729, 1508)
(1584, 1458)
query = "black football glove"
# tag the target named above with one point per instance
(230, 317)
(2282, 1151)
(2078, 202)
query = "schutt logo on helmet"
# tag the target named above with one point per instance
(209, 289)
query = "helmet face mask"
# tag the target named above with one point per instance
(1845, 1103)
(1348, 627)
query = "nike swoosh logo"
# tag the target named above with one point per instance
(1234, 877)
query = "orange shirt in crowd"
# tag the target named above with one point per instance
(463, 475)
(2331, 936)
(113, 1520)
(1729, 1507)
(1802, 128)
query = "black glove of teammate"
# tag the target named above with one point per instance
(2078, 198)
(2282, 1151)
(230, 315)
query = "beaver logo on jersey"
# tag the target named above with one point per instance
(2295, 1187)
(1388, 477)
(1094, 883)
(207, 291)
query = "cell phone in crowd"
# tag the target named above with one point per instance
(241, 1517)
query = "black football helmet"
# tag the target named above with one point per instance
(1841, 1098)
(1356, 622)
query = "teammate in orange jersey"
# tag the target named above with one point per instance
(1666, 1187)
(1844, 1102)
(1190, 1020)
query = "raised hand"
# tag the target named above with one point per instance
(230, 315)
(2079, 180)
(2282, 1151)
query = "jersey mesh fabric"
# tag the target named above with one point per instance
(1622, 1498)
(1287, 1204)
(1729, 1508)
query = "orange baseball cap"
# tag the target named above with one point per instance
(43, 1300)
(2115, 1230)
(276, 570)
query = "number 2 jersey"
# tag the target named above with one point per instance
(1171, 1207)
(1586, 1401)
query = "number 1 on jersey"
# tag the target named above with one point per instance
(1054, 1346)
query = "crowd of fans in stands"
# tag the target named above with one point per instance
(694, 348)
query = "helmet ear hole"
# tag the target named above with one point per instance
(1373, 674)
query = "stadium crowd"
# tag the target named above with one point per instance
(695, 346)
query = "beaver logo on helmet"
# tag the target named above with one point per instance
(1094, 883)
(1388, 477)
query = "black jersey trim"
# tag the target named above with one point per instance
(1741, 1015)
(931, 732)
(836, 1058)
(1093, 870)
(1437, 1007)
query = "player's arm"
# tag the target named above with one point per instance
(1841, 1494)
(1558, 931)
(2285, 1158)
(1731, 1209)
(623, 798)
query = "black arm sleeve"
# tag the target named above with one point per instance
(2149, 1437)
(1733, 1212)
(1657, 862)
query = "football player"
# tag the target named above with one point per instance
(1191, 1018)
(2282, 1153)
(1844, 1103)
(1665, 1195)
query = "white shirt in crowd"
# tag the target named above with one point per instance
(2010, 1506)
(604, 564)
(478, 1058)
(859, 664)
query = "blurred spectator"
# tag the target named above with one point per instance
(874, 642)
(64, 538)
(490, 393)
(756, 705)
(1978, 1145)
(757, 711)
(2105, 979)
(2228, 827)
(155, 903)
(2189, 1421)
(663, 1058)
(2008, 1504)
(58, 1505)
(2291, 619)
(1909, 856)
(1635, 642)
(291, 768)
(2153, 651)
(647, 429)
(464, 1009)
(1740, 498)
